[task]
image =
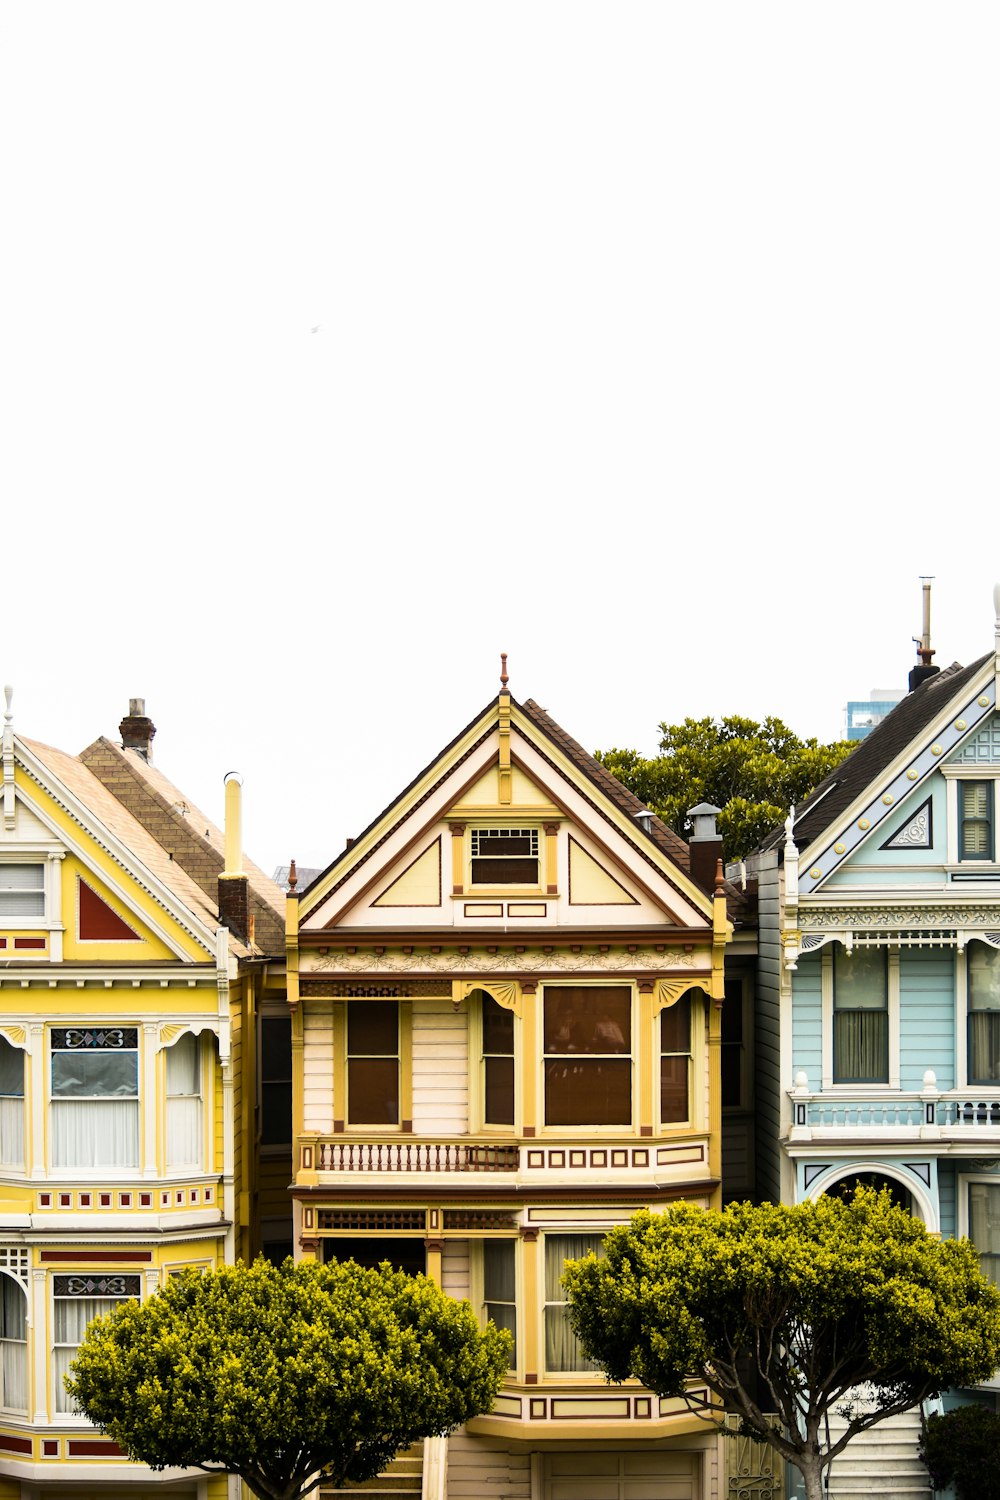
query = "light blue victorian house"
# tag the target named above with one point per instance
(878, 997)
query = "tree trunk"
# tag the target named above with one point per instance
(809, 1467)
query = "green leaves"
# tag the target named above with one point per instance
(276, 1373)
(818, 1298)
(752, 771)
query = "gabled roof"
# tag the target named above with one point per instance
(877, 751)
(182, 830)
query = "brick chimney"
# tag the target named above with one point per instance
(704, 845)
(234, 887)
(137, 731)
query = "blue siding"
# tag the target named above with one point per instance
(807, 1020)
(926, 1017)
(947, 1200)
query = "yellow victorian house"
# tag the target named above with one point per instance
(506, 1001)
(130, 1002)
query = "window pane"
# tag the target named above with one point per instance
(373, 1091)
(674, 1089)
(498, 1027)
(373, 1028)
(859, 979)
(11, 1070)
(498, 1270)
(586, 1092)
(984, 1046)
(505, 872)
(588, 1019)
(675, 1026)
(499, 1107)
(976, 800)
(984, 1226)
(21, 878)
(861, 1046)
(95, 1133)
(562, 1349)
(276, 1050)
(94, 1074)
(984, 977)
(501, 844)
(276, 1114)
(183, 1072)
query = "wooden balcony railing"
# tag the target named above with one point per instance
(420, 1156)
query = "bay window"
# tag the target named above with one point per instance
(95, 1096)
(185, 1144)
(562, 1348)
(860, 1016)
(77, 1301)
(13, 1345)
(588, 1054)
(373, 1062)
(11, 1105)
(983, 994)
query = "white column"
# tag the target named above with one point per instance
(39, 1346)
(37, 1086)
(150, 1101)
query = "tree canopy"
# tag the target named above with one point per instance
(752, 771)
(816, 1300)
(286, 1375)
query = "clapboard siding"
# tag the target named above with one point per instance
(317, 1067)
(440, 1068)
(455, 1268)
(480, 1466)
(808, 1022)
(926, 1017)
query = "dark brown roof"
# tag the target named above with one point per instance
(876, 752)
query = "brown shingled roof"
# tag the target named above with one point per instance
(876, 752)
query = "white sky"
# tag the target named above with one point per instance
(657, 347)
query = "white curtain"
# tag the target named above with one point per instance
(95, 1133)
(72, 1314)
(13, 1345)
(562, 1349)
(185, 1146)
(12, 1132)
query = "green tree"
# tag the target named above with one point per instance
(816, 1300)
(288, 1376)
(961, 1448)
(752, 771)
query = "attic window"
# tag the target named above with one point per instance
(22, 892)
(505, 856)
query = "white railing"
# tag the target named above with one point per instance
(959, 1110)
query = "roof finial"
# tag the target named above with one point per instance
(503, 672)
(8, 694)
(293, 876)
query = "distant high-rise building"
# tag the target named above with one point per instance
(862, 714)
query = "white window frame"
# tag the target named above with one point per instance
(5, 1407)
(892, 998)
(962, 1016)
(53, 1101)
(13, 1168)
(204, 1101)
(507, 828)
(953, 774)
(50, 921)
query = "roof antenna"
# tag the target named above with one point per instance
(921, 672)
(504, 679)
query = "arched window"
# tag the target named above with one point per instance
(11, 1105)
(13, 1345)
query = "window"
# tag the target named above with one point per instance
(499, 1298)
(13, 1345)
(498, 1062)
(276, 1082)
(78, 1300)
(504, 856)
(95, 1097)
(22, 893)
(983, 971)
(732, 1047)
(373, 1062)
(562, 1348)
(675, 1061)
(860, 1017)
(588, 1062)
(185, 1144)
(975, 820)
(984, 1227)
(11, 1105)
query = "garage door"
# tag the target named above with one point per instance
(621, 1476)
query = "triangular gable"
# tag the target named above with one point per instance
(466, 784)
(97, 921)
(419, 884)
(965, 720)
(95, 855)
(591, 884)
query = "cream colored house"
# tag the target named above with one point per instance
(506, 1001)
